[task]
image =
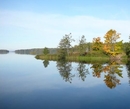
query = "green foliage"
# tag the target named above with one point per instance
(64, 46)
(97, 54)
(128, 69)
(89, 46)
(82, 45)
(119, 46)
(97, 44)
(62, 53)
(127, 49)
(111, 48)
(46, 51)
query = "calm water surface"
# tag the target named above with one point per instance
(27, 83)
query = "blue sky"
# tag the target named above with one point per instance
(43, 23)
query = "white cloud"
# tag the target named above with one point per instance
(46, 26)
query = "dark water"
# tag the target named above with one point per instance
(27, 83)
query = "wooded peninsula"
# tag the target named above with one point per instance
(110, 48)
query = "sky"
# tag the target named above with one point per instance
(26, 24)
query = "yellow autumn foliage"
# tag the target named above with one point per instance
(111, 46)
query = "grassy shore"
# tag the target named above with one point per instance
(47, 57)
(86, 59)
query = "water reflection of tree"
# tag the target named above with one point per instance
(97, 69)
(111, 73)
(82, 71)
(45, 63)
(65, 68)
(128, 70)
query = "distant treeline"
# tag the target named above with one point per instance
(4, 51)
(35, 51)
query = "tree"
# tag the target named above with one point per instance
(111, 46)
(89, 46)
(128, 69)
(97, 44)
(82, 45)
(46, 51)
(62, 53)
(64, 46)
(127, 49)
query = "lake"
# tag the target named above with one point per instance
(28, 83)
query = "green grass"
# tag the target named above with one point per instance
(87, 59)
(47, 57)
(74, 58)
(92, 57)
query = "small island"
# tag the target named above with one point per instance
(2, 51)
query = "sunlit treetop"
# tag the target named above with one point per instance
(111, 36)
